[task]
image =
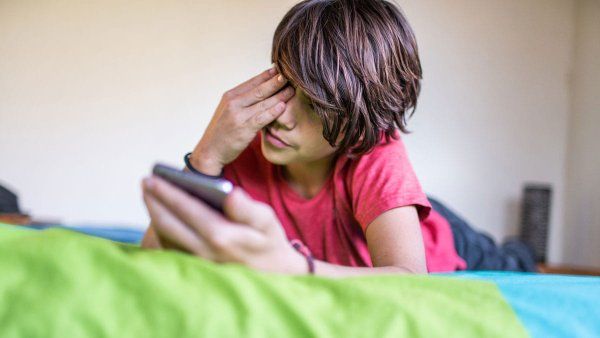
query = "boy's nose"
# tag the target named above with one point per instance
(287, 120)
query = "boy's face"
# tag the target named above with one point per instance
(301, 130)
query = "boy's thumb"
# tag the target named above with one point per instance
(239, 207)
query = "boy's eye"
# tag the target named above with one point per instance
(300, 93)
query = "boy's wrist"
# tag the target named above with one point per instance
(297, 264)
(302, 251)
(203, 163)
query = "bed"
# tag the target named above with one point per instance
(62, 283)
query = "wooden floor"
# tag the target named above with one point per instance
(569, 270)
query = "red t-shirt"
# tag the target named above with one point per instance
(333, 223)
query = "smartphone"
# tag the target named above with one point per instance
(210, 190)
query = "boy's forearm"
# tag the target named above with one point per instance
(333, 270)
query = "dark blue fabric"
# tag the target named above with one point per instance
(479, 250)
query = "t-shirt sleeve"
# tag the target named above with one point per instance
(382, 180)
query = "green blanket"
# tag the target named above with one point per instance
(57, 283)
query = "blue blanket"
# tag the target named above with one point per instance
(550, 305)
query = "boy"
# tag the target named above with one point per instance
(314, 143)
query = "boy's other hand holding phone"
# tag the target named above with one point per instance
(242, 112)
(248, 233)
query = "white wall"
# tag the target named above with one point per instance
(91, 94)
(583, 180)
(494, 107)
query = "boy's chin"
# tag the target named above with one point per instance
(277, 157)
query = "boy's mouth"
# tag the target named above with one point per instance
(274, 139)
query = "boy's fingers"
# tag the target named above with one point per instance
(283, 95)
(262, 91)
(265, 112)
(253, 82)
(172, 232)
(202, 219)
(263, 119)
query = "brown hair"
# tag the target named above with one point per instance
(357, 61)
